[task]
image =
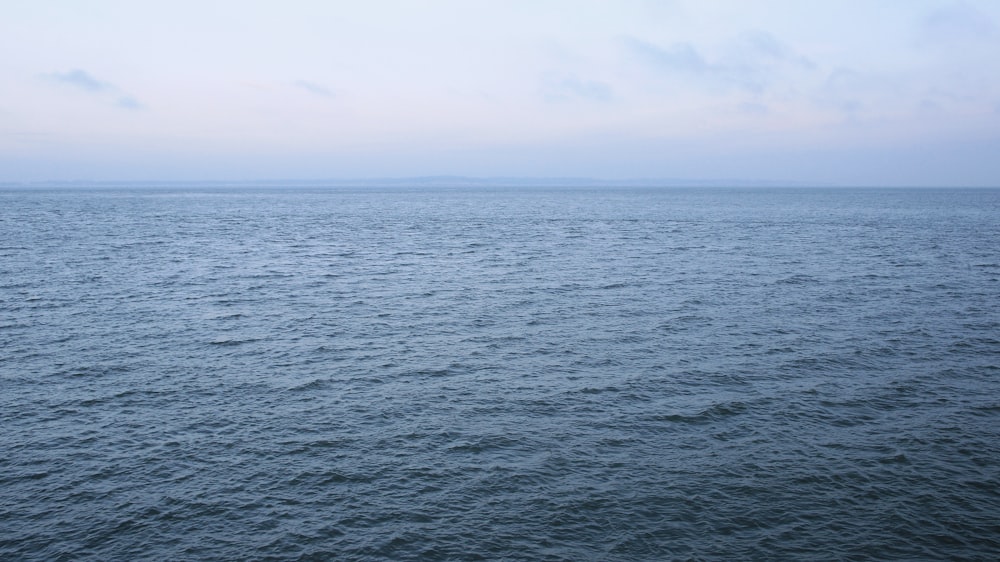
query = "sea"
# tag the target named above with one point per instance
(499, 373)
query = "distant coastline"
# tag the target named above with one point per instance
(432, 181)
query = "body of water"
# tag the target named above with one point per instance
(499, 374)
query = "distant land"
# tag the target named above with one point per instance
(419, 181)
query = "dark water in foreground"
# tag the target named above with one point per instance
(507, 374)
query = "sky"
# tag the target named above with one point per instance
(844, 92)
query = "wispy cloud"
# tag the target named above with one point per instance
(679, 57)
(128, 102)
(845, 88)
(562, 88)
(80, 79)
(761, 46)
(314, 88)
(959, 23)
(750, 62)
(84, 81)
(753, 108)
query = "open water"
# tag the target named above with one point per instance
(499, 374)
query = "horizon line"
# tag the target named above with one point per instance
(445, 180)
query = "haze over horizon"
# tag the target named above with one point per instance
(849, 93)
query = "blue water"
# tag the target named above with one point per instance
(499, 374)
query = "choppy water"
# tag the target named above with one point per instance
(516, 374)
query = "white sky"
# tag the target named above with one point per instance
(863, 92)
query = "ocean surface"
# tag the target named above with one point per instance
(499, 374)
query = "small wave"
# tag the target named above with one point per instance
(895, 459)
(483, 444)
(797, 279)
(231, 342)
(93, 371)
(232, 316)
(12, 478)
(713, 413)
(680, 322)
(315, 384)
(132, 394)
(302, 446)
(325, 478)
(592, 390)
(436, 373)
(987, 410)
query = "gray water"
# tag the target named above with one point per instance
(499, 374)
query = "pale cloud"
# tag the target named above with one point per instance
(128, 102)
(929, 106)
(852, 92)
(751, 62)
(760, 47)
(753, 108)
(845, 81)
(681, 58)
(79, 79)
(562, 88)
(956, 24)
(314, 88)
(84, 81)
